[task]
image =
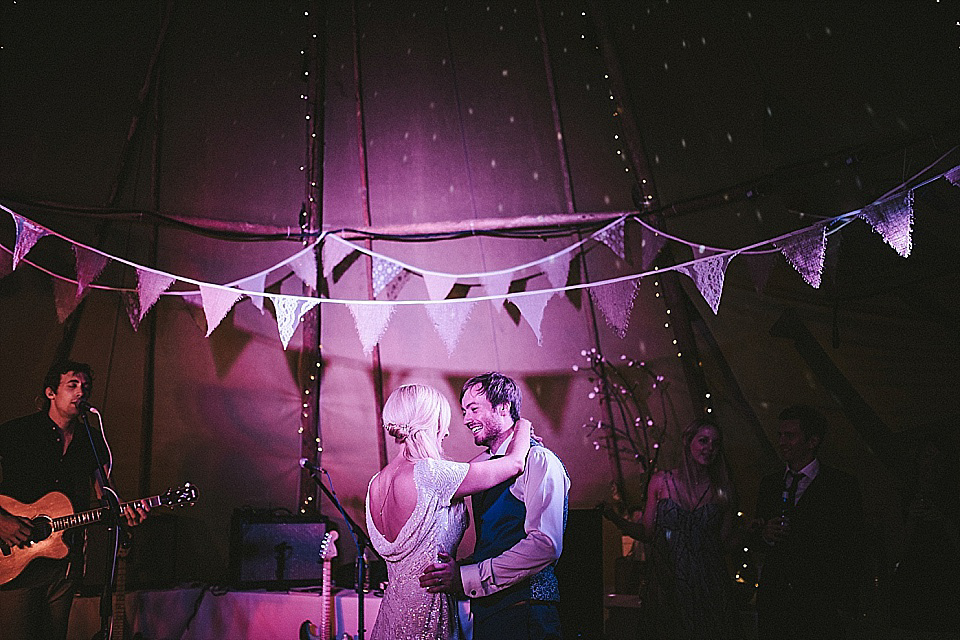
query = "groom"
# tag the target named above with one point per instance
(519, 526)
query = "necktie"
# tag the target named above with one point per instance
(790, 491)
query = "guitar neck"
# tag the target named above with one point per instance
(96, 515)
(326, 607)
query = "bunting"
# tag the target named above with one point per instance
(531, 308)
(66, 298)
(289, 313)
(893, 220)
(708, 275)
(612, 236)
(805, 252)
(217, 303)
(760, 265)
(256, 284)
(392, 290)
(557, 269)
(651, 243)
(131, 301)
(384, 271)
(150, 285)
(616, 302)
(953, 176)
(27, 235)
(306, 268)
(496, 284)
(371, 321)
(334, 251)
(89, 266)
(448, 320)
(438, 285)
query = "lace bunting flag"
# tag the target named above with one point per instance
(65, 295)
(893, 220)
(449, 319)
(616, 302)
(496, 284)
(371, 321)
(708, 275)
(334, 251)
(217, 303)
(805, 252)
(383, 272)
(557, 269)
(613, 238)
(27, 235)
(89, 265)
(289, 313)
(650, 245)
(306, 268)
(149, 287)
(531, 307)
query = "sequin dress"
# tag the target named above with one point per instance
(408, 611)
(689, 593)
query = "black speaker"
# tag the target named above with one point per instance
(580, 574)
(275, 549)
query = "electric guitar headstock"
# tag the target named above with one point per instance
(328, 548)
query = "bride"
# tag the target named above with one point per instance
(415, 509)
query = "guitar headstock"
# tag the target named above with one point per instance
(182, 496)
(328, 550)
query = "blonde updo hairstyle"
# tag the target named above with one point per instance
(414, 415)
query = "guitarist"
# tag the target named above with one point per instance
(39, 453)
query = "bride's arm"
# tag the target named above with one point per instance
(490, 473)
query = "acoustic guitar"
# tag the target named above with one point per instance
(53, 514)
(324, 629)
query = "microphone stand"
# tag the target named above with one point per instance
(360, 539)
(109, 496)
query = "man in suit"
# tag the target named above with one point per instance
(513, 591)
(811, 518)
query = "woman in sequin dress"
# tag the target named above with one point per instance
(415, 510)
(688, 521)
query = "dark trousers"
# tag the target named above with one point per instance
(525, 621)
(788, 613)
(36, 612)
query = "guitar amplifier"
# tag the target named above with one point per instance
(275, 549)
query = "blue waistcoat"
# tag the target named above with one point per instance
(499, 519)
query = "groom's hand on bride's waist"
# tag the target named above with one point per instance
(442, 576)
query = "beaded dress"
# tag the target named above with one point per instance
(408, 611)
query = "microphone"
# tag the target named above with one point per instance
(84, 405)
(309, 466)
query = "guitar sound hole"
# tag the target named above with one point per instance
(41, 528)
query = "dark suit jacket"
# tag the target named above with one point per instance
(820, 556)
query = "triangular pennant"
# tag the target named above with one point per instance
(306, 268)
(707, 274)
(132, 303)
(393, 288)
(531, 307)
(289, 313)
(557, 269)
(616, 301)
(65, 295)
(496, 284)
(893, 220)
(89, 266)
(448, 319)
(371, 321)
(805, 252)
(27, 235)
(953, 176)
(651, 243)
(612, 237)
(438, 285)
(760, 265)
(217, 302)
(150, 285)
(256, 283)
(334, 251)
(383, 272)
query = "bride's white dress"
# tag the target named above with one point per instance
(407, 609)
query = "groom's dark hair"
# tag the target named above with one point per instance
(497, 389)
